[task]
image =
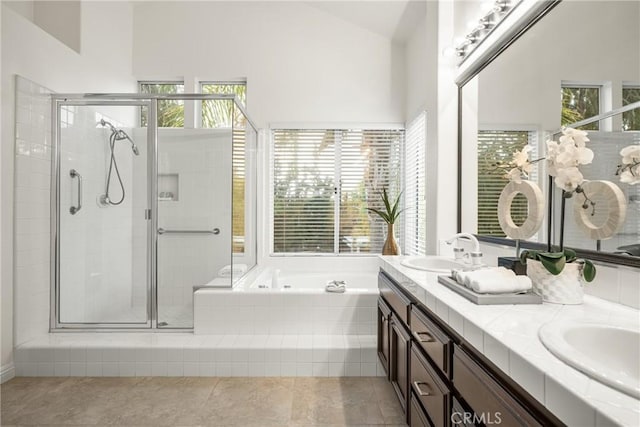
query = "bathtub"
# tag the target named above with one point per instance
(355, 282)
(299, 305)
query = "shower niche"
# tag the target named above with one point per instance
(168, 187)
(142, 215)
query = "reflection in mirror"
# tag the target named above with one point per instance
(554, 75)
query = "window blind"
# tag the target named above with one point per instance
(323, 182)
(415, 187)
(494, 146)
(238, 167)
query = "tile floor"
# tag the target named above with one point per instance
(160, 401)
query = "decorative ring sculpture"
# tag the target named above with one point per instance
(535, 207)
(615, 204)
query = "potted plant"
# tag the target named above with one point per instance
(558, 275)
(390, 214)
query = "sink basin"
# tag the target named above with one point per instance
(609, 354)
(435, 264)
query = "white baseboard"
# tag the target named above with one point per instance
(7, 372)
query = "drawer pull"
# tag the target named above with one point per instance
(421, 393)
(418, 337)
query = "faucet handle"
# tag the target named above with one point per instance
(458, 253)
(476, 258)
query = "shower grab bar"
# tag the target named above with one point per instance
(163, 231)
(75, 209)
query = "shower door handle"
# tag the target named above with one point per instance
(74, 174)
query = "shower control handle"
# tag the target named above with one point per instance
(74, 174)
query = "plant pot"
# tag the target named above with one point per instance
(565, 288)
(390, 246)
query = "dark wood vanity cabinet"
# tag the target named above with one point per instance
(384, 318)
(399, 340)
(440, 379)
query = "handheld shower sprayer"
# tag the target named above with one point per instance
(116, 135)
(120, 135)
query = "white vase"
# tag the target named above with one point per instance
(565, 288)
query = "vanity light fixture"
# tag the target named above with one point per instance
(493, 13)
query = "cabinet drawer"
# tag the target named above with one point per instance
(432, 339)
(429, 389)
(488, 399)
(417, 417)
(394, 297)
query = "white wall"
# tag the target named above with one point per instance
(29, 51)
(301, 64)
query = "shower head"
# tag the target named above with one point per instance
(119, 135)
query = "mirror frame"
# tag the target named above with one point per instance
(474, 64)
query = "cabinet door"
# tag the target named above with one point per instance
(490, 402)
(399, 359)
(384, 314)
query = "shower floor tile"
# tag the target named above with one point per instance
(200, 401)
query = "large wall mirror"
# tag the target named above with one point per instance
(579, 59)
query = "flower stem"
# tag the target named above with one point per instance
(562, 209)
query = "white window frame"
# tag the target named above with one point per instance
(270, 186)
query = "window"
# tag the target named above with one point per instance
(170, 112)
(323, 182)
(415, 187)
(498, 146)
(631, 119)
(579, 103)
(220, 113)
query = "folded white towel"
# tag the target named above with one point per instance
(466, 277)
(501, 285)
(336, 286)
(237, 270)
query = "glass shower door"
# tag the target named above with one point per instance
(194, 194)
(101, 235)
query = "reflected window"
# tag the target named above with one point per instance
(497, 147)
(579, 103)
(220, 113)
(631, 119)
(170, 112)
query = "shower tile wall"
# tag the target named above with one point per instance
(32, 186)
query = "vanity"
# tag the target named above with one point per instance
(455, 363)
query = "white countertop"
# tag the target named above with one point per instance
(508, 336)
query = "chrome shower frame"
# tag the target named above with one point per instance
(117, 99)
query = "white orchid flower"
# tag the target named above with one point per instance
(521, 158)
(630, 154)
(568, 178)
(629, 178)
(577, 137)
(585, 155)
(514, 175)
(567, 156)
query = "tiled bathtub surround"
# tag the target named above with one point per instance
(149, 354)
(305, 308)
(508, 336)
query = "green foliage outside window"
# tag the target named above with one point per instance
(631, 119)
(220, 113)
(170, 112)
(579, 103)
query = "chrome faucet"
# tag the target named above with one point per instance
(475, 257)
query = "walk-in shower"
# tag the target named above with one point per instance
(141, 215)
